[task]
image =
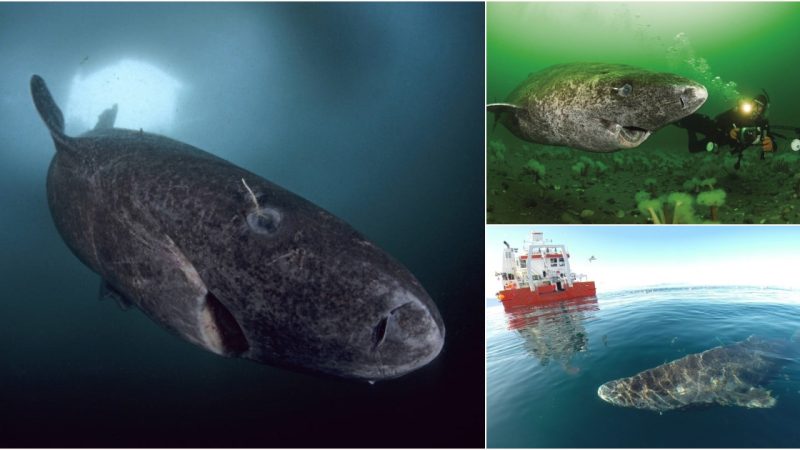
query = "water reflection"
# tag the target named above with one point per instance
(554, 331)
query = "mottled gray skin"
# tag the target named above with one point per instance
(270, 277)
(585, 105)
(727, 375)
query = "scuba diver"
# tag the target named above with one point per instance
(738, 128)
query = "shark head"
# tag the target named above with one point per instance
(631, 103)
(617, 393)
(302, 289)
(643, 393)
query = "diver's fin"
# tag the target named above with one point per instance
(106, 119)
(49, 111)
(498, 109)
(109, 292)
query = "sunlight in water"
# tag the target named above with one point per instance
(146, 97)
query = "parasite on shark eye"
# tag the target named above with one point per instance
(264, 220)
(625, 90)
(261, 219)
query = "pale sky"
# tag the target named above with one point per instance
(639, 256)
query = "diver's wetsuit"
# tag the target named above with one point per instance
(717, 130)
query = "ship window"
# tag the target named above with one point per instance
(523, 263)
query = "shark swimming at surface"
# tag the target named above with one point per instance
(230, 261)
(727, 375)
(595, 106)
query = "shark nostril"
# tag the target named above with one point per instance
(379, 332)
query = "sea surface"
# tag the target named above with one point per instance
(371, 111)
(696, 40)
(545, 363)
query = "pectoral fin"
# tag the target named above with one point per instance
(109, 292)
(752, 397)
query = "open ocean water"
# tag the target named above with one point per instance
(545, 363)
(371, 111)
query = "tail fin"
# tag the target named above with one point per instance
(50, 113)
(498, 109)
(46, 106)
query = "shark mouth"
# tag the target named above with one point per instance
(633, 135)
(625, 136)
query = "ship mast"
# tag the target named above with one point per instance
(546, 262)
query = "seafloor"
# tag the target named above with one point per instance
(659, 182)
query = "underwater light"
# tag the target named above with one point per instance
(146, 97)
(746, 107)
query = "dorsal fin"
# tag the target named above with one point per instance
(106, 119)
(48, 110)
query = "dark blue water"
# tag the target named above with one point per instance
(544, 366)
(372, 111)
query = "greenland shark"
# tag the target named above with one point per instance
(725, 375)
(596, 107)
(230, 261)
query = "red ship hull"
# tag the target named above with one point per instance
(512, 298)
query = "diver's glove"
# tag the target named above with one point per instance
(767, 144)
(734, 134)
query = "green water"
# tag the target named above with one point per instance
(734, 49)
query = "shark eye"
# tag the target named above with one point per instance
(625, 90)
(264, 220)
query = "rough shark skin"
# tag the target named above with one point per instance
(596, 107)
(228, 260)
(725, 375)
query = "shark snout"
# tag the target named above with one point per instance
(407, 336)
(692, 97)
(604, 392)
(609, 392)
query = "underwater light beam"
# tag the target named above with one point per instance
(146, 97)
